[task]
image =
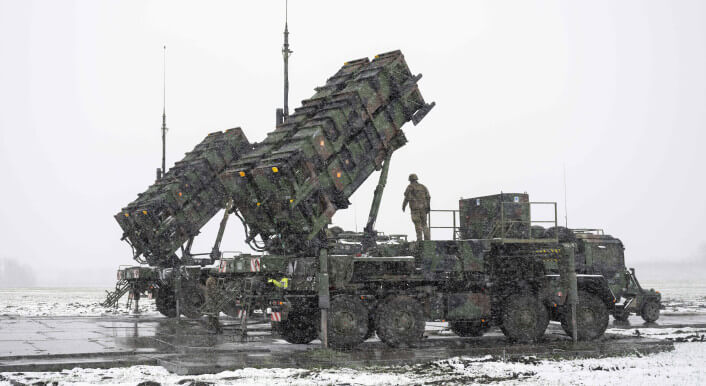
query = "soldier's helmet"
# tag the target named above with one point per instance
(413, 177)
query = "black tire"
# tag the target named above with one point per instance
(650, 311)
(299, 327)
(347, 322)
(166, 302)
(399, 321)
(467, 328)
(193, 298)
(621, 315)
(591, 317)
(524, 319)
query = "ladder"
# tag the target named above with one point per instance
(224, 295)
(112, 297)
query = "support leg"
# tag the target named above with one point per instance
(136, 303)
(324, 297)
(244, 322)
(572, 292)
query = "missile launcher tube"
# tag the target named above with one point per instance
(287, 187)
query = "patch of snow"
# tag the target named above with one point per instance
(682, 366)
(64, 302)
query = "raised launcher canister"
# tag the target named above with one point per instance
(293, 182)
(175, 207)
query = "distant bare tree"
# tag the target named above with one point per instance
(15, 274)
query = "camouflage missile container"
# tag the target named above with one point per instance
(174, 208)
(288, 188)
(480, 217)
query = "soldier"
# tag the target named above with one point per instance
(212, 296)
(418, 198)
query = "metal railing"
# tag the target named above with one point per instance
(455, 229)
(504, 224)
(503, 233)
(592, 231)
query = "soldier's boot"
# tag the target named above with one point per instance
(427, 233)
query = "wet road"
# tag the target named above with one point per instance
(187, 347)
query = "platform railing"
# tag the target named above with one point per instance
(505, 224)
(455, 229)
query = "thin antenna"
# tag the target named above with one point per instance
(566, 210)
(355, 218)
(164, 111)
(286, 52)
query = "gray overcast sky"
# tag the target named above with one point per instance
(616, 91)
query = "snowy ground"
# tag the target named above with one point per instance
(685, 365)
(681, 297)
(63, 302)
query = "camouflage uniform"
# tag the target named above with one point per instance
(417, 195)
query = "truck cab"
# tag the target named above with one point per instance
(599, 253)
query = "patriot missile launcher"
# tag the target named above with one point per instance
(286, 188)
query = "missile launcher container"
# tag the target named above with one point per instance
(175, 207)
(288, 188)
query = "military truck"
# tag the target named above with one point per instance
(285, 190)
(511, 280)
(603, 254)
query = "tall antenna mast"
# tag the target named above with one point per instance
(164, 113)
(286, 52)
(566, 210)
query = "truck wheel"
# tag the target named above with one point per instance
(524, 319)
(400, 321)
(166, 302)
(347, 322)
(467, 328)
(650, 311)
(298, 328)
(193, 297)
(591, 317)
